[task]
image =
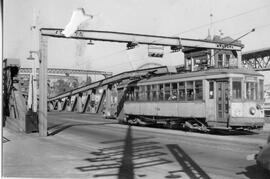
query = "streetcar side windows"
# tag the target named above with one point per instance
(198, 90)
(154, 93)
(181, 91)
(136, 92)
(131, 94)
(141, 93)
(148, 96)
(161, 92)
(174, 94)
(167, 91)
(211, 90)
(190, 91)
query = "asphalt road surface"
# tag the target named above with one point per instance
(121, 151)
(89, 146)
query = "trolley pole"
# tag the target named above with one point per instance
(43, 65)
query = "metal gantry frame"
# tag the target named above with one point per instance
(130, 39)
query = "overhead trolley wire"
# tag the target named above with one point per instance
(253, 29)
(224, 19)
(196, 28)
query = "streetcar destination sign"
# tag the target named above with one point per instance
(224, 46)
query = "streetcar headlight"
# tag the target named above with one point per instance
(258, 106)
(252, 110)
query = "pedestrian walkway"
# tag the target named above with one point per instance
(28, 155)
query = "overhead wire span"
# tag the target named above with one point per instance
(224, 19)
(252, 30)
(195, 28)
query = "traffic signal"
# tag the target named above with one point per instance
(131, 45)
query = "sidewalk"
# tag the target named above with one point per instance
(28, 155)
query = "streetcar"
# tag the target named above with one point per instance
(221, 96)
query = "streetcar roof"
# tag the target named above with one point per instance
(209, 73)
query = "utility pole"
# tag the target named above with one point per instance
(43, 76)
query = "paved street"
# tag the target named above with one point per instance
(86, 145)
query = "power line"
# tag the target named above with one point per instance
(224, 19)
(199, 27)
(129, 62)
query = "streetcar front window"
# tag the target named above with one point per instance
(251, 90)
(220, 60)
(237, 89)
(261, 92)
(227, 61)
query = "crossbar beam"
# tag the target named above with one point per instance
(122, 37)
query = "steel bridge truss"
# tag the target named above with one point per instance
(258, 59)
(82, 99)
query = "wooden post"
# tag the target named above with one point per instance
(43, 63)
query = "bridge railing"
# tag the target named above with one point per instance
(14, 104)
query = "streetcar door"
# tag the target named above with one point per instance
(222, 101)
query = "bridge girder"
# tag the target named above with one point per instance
(68, 71)
(258, 59)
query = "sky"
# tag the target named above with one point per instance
(182, 18)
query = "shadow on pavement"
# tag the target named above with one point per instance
(255, 172)
(122, 140)
(61, 127)
(125, 158)
(190, 167)
(135, 153)
(4, 140)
